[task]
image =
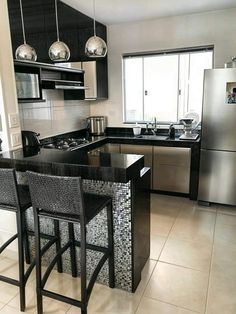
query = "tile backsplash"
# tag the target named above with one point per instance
(55, 116)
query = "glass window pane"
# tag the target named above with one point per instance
(133, 89)
(183, 84)
(198, 62)
(161, 87)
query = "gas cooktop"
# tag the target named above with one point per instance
(66, 143)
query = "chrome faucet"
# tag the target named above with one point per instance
(147, 131)
(155, 125)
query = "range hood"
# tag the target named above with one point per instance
(62, 84)
(52, 76)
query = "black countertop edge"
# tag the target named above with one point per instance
(143, 140)
(105, 166)
(128, 131)
(108, 167)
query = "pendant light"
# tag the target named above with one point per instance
(58, 51)
(25, 51)
(95, 46)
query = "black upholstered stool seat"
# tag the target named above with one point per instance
(93, 204)
(24, 199)
(24, 196)
(63, 199)
(16, 198)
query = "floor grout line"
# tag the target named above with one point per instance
(157, 261)
(186, 267)
(142, 294)
(179, 307)
(212, 252)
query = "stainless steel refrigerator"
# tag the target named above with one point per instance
(217, 182)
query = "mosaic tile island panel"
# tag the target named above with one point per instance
(97, 233)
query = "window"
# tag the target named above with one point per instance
(165, 86)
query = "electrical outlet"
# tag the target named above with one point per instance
(16, 139)
(13, 120)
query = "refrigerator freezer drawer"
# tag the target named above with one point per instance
(217, 177)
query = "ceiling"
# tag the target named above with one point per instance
(122, 11)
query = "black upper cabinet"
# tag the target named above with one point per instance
(75, 28)
(40, 27)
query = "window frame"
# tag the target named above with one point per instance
(189, 50)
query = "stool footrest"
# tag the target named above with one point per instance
(43, 250)
(93, 247)
(10, 280)
(5, 245)
(95, 274)
(53, 262)
(61, 298)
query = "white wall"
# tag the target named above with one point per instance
(55, 116)
(217, 28)
(8, 99)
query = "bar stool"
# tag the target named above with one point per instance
(16, 198)
(62, 198)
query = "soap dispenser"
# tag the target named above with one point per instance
(171, 131)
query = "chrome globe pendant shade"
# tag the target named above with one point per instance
(58, 51)
(25, 51)
(95, 46)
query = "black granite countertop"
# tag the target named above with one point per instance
(105, 166)
(154, 140)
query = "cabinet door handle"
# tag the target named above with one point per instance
(145, 92)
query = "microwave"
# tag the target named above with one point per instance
(28, 86)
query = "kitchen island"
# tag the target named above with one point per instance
(121, 176)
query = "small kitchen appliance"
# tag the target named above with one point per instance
(97, 125)
(187, 135)
(30, 139)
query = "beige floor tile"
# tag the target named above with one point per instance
(223, 219)
(10, 310)
(10, 254)
(157, 243)
(194, 205)
(113, 301)
(7, 292)
(228, 210)
(195, 255)
(168, 205)
(221, 294)
(2, 305)
(151, 306)
(194, 225)
(161, 224)
(30, 298)
(145, 276)
(224, 259)
(161, 198)
(51, 306)
(195, 214)
(9, 267)
(225, 234)
(178, 286)
(64, 284)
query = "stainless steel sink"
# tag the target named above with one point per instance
(154, 137)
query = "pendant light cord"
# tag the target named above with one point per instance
(22, 22)
(57, 20)
(94, 22)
